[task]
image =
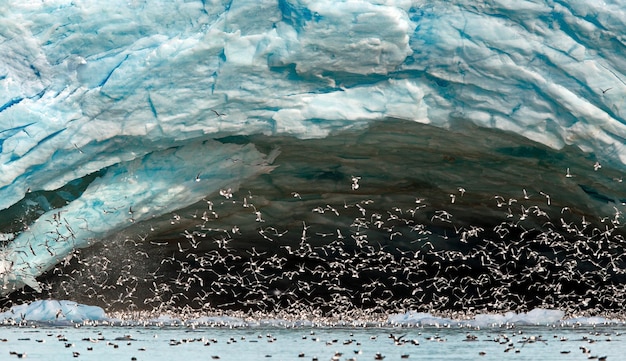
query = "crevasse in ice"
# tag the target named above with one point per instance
(138, 91)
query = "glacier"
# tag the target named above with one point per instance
(116, 114)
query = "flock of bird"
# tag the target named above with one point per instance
(342, 345)
(356, 259)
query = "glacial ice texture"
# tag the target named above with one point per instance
(122, 101)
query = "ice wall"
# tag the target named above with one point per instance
(88, 86)
(129, 192)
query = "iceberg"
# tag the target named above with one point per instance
(53, 312)
(113, 114)
(534, 317)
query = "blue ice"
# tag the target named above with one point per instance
(139, 90)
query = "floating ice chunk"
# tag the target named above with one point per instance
(418, 318)
(54, 312)
(536, 316)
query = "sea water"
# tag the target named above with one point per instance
(309, 343)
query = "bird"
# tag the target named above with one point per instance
(397, 339)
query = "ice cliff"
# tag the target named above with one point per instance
(122, 101)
